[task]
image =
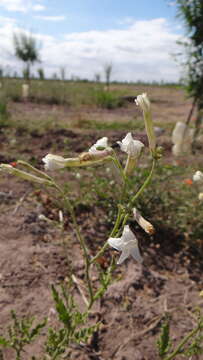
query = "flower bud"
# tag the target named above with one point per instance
(144, 103)
(24, 175)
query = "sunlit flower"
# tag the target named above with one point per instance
(133, 149)
(144, 103)
(54, 162)
(101, 144)
(198, 176)
(128, 244)
(130, 146)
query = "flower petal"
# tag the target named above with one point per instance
(124, 255)
(116, 243)
(135, 252)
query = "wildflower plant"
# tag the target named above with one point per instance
(122, 238)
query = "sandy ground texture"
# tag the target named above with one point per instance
(35, 255)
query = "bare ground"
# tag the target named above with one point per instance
(33, 254)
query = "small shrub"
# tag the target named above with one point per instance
(3, 113)
(107, 100)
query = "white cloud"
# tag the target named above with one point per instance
(141, 51)
(38, 7)
(21, 5)
(50, 18)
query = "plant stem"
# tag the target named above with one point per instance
(183, 342)
(113, 233)
(81, 241)
(144, 185)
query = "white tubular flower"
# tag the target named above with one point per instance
(128, 244)
(145, 225)
(198, 176)
(133, 148)
(130, 146)
(144, 103)
(101, 143)
(54, 162)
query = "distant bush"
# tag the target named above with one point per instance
(4, 115)
(107, 100)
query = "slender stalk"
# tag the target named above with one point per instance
(183, 342)
(191, 111)
(113, 233)
(144, 185)
(81, 241)
(118, 165)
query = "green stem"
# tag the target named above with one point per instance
(183, 342)
(145, 184)
(81, 241)
(119, 166)
(113, 233)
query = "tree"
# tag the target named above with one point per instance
(108, 70)
(191, 12)
(27, 50)
(41, 73)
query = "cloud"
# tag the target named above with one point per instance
(38, 7)
(21, 5)
(50, 18)
(141, 51)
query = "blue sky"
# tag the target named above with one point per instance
(85, 34)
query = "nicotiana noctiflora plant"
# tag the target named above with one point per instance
(122, 237)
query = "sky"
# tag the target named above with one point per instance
(137, 37)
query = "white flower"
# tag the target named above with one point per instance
(130, 146)
(128, 244)
(54, 162)
(144, 103)
(101, 143)
(198, 176)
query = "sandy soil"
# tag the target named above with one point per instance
(33, 255)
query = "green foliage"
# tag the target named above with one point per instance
(41, 73)
(191, 13)
(105, 278)
(4, 115)
(21, 333)
(27, 50)
(163, 343)
(107, 100)
(191, 344)
(71, 320)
